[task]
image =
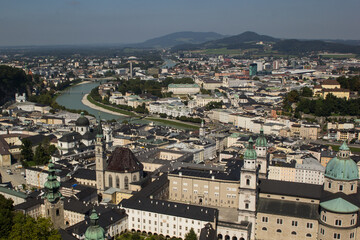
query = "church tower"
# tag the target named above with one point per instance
(248, 187)
(339, 211)
(100, 159)
(261, 151)
(54, 205)
(202, 130)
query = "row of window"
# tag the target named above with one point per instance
(292, 233)
(338, 222)
(163, 230)
(336, 235)
(293, 223)
(341, 187)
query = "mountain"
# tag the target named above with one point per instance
(244, 40)
(179, 38)
(249, 40)
(293, 46)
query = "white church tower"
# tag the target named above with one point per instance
(261, 148)
(100, 159)
(248, 187)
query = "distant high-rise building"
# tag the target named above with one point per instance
(276, 65)
(253, 69)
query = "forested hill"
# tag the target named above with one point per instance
(12, 80)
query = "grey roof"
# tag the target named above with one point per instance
(171, 208)
(88, 174)
(232, 172)
(304, 190)
(288, 208)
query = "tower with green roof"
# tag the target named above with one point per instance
(100, 158)
(261, 147)
(339, 211)
(248, 186)
(94, 231)
(54, 205)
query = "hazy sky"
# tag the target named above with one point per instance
(47, 22)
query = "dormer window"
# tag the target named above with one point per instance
(341, 187)
(329, 185)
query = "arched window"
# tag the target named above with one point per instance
(126, 182)
(110, 181)
(293, 233)
(264, 229)
(308, 235)
(134, 178)
(279, 230)
(234, 238)
(117, 182)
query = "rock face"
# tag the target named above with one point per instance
(12, 80)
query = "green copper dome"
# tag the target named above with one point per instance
(250, 153)
(94, 231)
(261, 140)
(342, 167)
(52, 185)
(339, 205)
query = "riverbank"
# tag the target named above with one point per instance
(89, 102)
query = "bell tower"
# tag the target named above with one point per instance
(100, 159)
(261, 151)
(248, 187)
(54, 205)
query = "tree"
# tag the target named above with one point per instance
(26, 150)
(6, 216)
(306, 92)
(191, 235)
(26, 227)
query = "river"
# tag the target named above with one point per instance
(71, 99)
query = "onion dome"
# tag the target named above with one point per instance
(94, 231)
(261, 140)
(82, 121)
(52, 185)
(250, 153)
(342, 167)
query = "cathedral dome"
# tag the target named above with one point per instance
(261, 140)
(342, 167)
(82, 121)
(123, 160)
(250, 152)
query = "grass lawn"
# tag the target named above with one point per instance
(165, 121)
(169, 122)
(114, 109)
(352, 149)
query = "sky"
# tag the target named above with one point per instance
(58, 22)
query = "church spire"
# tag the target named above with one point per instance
(52, 185)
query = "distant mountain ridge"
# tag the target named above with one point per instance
(178, 38)
(250, 40)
